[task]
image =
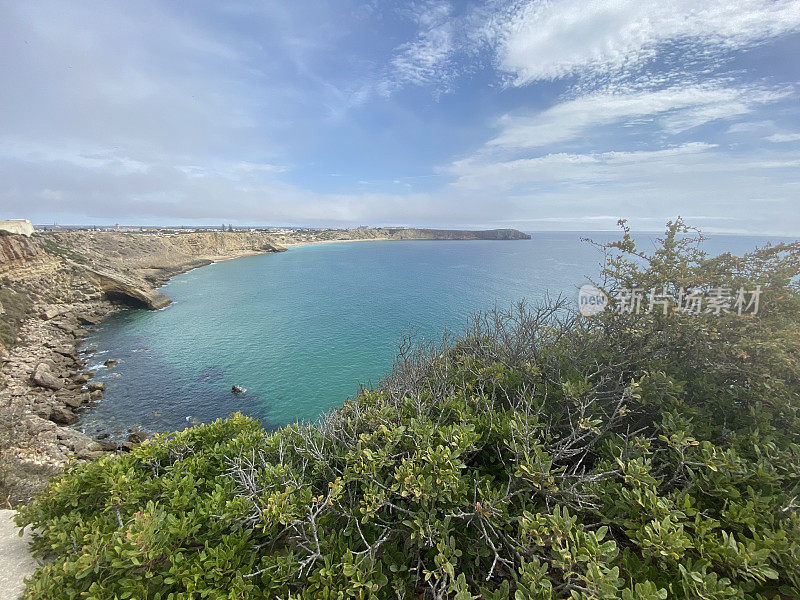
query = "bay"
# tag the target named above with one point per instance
(302, 329)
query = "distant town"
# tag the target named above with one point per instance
(173, 229)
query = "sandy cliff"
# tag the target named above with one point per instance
(156, 257)
(18, 251)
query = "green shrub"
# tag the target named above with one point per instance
(50, 246)
(544, 455)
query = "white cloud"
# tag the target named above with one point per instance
(249, 167)
(550, 40)
(750, 127)
(80, 155)
(784, 137)
(752, 191)
(422, 60)
(426, 59)
(477, 173)
(678, 108)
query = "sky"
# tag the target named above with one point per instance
(538, 115)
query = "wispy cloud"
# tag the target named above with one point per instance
(676, 108)
(249, 167)
(784, 137)
(550, 40)
(426, 59)
(478, 173)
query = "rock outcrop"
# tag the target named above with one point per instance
(127, 290)
(43, 377)
(17, 251)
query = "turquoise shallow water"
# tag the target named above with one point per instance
(302, 329)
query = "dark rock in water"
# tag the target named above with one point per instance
(43, 376)
(96, 395)
(108, 446)
(111, 363)
(157, 413)
(96, 385)
(103, 436)
(238, 390)
(63, 415)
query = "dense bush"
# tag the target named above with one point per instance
(544, 455)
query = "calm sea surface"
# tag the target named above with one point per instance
(301, 329)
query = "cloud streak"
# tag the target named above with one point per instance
(678, 108)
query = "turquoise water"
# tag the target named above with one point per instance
(300, 330)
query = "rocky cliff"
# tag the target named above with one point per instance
(18, 251)
(156, 257)
(51, 287)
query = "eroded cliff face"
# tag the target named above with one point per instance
(158, 256)
(19, 251)
(126, 267)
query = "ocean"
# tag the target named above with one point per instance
(303, 329)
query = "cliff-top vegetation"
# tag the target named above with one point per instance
(543, 455)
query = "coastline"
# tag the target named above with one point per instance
(46, 383)
(315, 242)
(38, 439)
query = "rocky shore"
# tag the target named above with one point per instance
(55, 286)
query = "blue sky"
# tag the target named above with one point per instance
(566, 114)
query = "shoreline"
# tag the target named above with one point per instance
(39, 437)
(46, 380)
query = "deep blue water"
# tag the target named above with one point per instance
(300, 330)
